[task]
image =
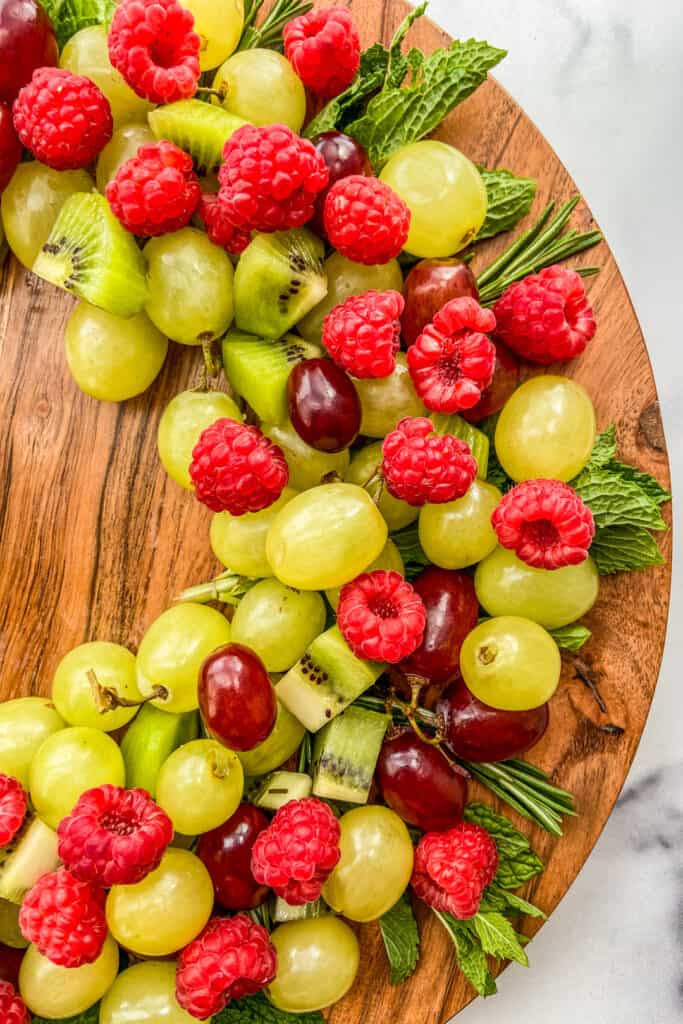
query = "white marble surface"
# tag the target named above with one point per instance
(603, 81)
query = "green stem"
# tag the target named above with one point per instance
(229, 588)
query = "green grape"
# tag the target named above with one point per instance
(31, 203)
(346, 278)
(507, 586)
(284, 740)
(172, 651)
(546, 430)
(110, 358)
(24, 724)
(278, 623)
(386, 400)
(307, 466)
(144, 994)
(219, 24)
(10, 932)
(122, 146)
(444, 192)
(459, 533)
(364, 467)
(261, 86)
(73, 688)
(510, 663)
(181, 423)
(375, 865)
(317, 964)
(200, 786)
(325, 537)
(166, 910)
(57, 992)
(389, 559)
(67, 764)
(87, 53)
(190, 286)
(239, 542)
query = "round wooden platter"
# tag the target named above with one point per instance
(96, 540)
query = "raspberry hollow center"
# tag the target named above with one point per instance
(542, 533)
(163, 53)
(119, 824)
(449, 368)
(383, 608)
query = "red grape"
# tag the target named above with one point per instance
(236, 697)
(10, 147)
(226, 854)
(452, 612)
(428, 287)
(27, 42)
(476, 732)
(323, 405)
(10, 962)
(419, 783)
(343, 156)
(505, 380)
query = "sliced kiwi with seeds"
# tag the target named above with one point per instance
(201, 129)
(259, 368)
(279, 278)
(326, 680)
(345, 755)
(89, 254)
(281, 787)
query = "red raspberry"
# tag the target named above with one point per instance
(545, 523)
(365, 220)
(64, 119)
(546, 317)
(114, 836)
(156, 191)
(219, 229)
(324, 49)
(12, 808)
(453, 868)
(298, 851)
(153, 45)
(452, 361)
(64, 918)
(381, 616)
(270, 178)
(231, 958)
(236, 469)
(420, 466)
(363, 334)
(12, 1008)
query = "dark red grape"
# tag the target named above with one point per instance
(505, 380)
(476, 732)
(27, 42)
(236, 697)
(419, 784)
(428, 287)
(323, 405)
(343, 156)
(10, 147)
(226, 854)
(452, 612)
(10, 962)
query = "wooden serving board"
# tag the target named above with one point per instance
(95, 540)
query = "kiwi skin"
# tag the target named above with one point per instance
(259, 368)
(345, 755)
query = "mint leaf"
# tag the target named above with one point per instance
(514, 903)
(259, 1010)
(398, 116)
(499, 939)
(571, 638)
(513, 873)
(509, 199)
(401, 939)
(604, 449)
(70, 16)
(398, 63)
(615, 500)
(469, 954)
(495, 473)
(90, 1016)
(408, 543)
(509, 841)
(374, 64)
(654, 490)
(624, 549)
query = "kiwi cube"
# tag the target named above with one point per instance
(281, 787)
(259, 368)
(345, 755)
(201, 129)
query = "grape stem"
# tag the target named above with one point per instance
(229, 588)
(107, 699)
(213, 363)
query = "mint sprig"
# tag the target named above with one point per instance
(509, 199)
(407, 541)
(616, 500)
(69, 16)
(401, 939)
(625, 549)
(571, 638)
(259, 1010)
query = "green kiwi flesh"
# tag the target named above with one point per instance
(326, 680)
(279, 278)
(259, 368)
(199, 128)
(284, 740)
(89, 254)
(345, 755)
(32, 853)
(281, 787)
(475, 438)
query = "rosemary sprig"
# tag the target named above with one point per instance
(545, 243)
(229, 588)
(269, 32)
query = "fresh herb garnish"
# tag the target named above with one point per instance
(69, 16)
(401, 939)
(90, 1016)
(407, 541)
(269, 32)
(259, 1010)
(527, 790)
(509, 199)
(571, 638)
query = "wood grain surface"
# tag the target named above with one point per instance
(96, 540)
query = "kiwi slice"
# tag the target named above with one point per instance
(89, 254)
(475, 438)
(259, 368)
(281, 787)
(284, 911)
(32, 853)
(201, 129)
(326, 680)
(284, 740)
(345, 755)
(279, 278)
